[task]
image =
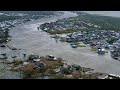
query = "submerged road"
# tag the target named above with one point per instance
(27, 37)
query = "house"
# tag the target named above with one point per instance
(113, 76)
(3, 45)
(101, 51)
(46, 77)
(57, 70)
(93, 47)
(36, 60)
(74, 45)
(33, 57)
(50, 57)
(62, 39)
(103, 76)
(25, 63)
(115, 53)
(69, 76)
(39, 65)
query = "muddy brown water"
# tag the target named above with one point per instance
(30, 39)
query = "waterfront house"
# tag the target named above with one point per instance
(50, 58)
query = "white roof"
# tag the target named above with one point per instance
(36, 59)
(114, 75)
(25, 63)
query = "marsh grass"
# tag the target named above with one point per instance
(30, 71)
(16, 62)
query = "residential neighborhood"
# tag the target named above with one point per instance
(66, 24)
(59, 45)
(99, 40)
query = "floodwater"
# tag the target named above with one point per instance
(30, 39)
(27, 38)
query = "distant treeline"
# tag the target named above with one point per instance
(106, 22)
(6, 18)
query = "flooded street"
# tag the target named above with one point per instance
(31, 40)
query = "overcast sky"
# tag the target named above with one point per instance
(106, 13)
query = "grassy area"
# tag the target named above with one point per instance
(105, 22)
(74, 71)
(59, 76)
(62, 31)
(30, 71)
(17, 62)
(93, 49)
(89, 76)
(6, 18)
(69, 31)
(82, 45)
(53, 64)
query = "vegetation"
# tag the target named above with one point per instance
(6, 18)
(105, 22)
(30, 71)
(17, 62)
(52, 64)
(4, 36)
(69, 31)
(94, 49)
(59, 76)
(82, 45)
(76, 74)
(89, 76)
